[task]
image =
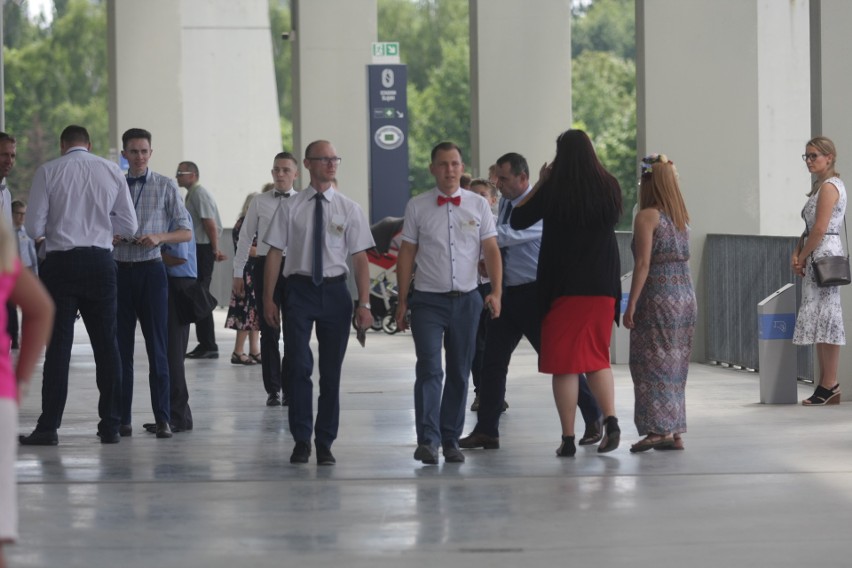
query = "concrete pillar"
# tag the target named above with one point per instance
(831, 85)
(204, 86)
(520, 79)
(331, 51)
(723, 88)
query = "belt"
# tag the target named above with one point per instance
(521, 286)
(451, 293)
(79, 249)
(124, 264)
(327, 280)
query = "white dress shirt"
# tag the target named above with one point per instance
(448, 239)
(6, 203)
(258, 217)
(346, 232)
(79, 200)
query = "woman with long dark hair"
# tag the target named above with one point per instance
(578, 278)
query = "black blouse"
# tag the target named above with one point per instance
(573, 261)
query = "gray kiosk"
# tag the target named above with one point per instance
(776, 320)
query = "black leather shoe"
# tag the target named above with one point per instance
(324, 456)
(164, 430)
(39, 439)
(426, 454)
(150, 427)
(478, 440)
(273, 399)
(125, 430)
(285, 399)
(566, 449)
(203, 354)
(452, 454)
(109, 438)
(612, 435)
(593, 433)
(301, 453)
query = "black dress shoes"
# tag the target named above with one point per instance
(273, 399)
(452, 454)
(125, 430)
(109, 438)
(164, 430)
(39, 439)
(324, 456)
(478, 440)
(426, 454)
(201, 353)
(301, 453)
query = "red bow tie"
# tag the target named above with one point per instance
(454, 200)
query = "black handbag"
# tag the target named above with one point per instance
(194, 303)
(833, 270)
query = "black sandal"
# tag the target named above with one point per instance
(612, 435)
(823, 396)
(567, 448)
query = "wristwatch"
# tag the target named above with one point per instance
(367, 305)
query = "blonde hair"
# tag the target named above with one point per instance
(8, 247)
(246, 203)
(659, 188)
(826, 148)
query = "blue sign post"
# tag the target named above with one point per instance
(389, 185)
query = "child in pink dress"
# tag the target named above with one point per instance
(23, 288)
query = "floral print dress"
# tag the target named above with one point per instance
(242, 312)
(820, 317)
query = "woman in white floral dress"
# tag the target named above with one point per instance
(820, 319)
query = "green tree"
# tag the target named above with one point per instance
(604, 25)
(56, 79)
(282, 53)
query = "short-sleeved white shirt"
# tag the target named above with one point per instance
(346, 232)
(448, 238)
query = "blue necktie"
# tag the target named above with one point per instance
(506, 212)
(318, 237)
(131, 181)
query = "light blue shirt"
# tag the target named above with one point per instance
(26, 249)
(520, 248)
(186, 251)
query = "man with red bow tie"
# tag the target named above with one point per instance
(444, 231)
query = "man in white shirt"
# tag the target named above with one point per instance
(285, 168)
(444, 232)
(79, 203)
(8, 153)
(320, 229)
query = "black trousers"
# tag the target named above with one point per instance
(204, 329)
(273, 365)
(519, 317)
(181, 415)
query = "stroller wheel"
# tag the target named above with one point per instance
(389, 324)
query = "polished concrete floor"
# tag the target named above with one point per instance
(757, 485)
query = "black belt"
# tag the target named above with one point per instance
(451, 293)
(79, 249)
(327, 280)
(124, 264)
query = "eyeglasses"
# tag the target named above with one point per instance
(811, 156)
(182, 174)
(326, 161)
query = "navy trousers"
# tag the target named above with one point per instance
(81, 279)
(143, 293)
(181, 414)
(205, 330)
(273, 365)
(329, 308)
(440, 321)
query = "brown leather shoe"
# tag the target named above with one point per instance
(478, 440)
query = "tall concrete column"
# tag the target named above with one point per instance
(520, 79)
(199, 75)
(723, 88)
(331, 51)
(831, 86)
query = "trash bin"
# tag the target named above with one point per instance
(776, 320)
(619, 344)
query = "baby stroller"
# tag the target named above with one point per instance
(382, 260)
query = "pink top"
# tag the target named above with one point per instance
(8, 383)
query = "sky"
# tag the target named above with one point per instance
(35, 7)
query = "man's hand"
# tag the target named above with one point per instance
(271, 314)
(238, 287)
(149, 241)
(364, 317)
(401, 311)
(219, 256)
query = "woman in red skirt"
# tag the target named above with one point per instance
(578, 278)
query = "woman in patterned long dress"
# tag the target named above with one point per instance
(242, 311)
(820, 318)
(661, 310)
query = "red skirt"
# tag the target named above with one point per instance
(575, 335)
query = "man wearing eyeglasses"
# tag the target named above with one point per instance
(319, 228)
(207, 227)
(285, 168)
(143, 285)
